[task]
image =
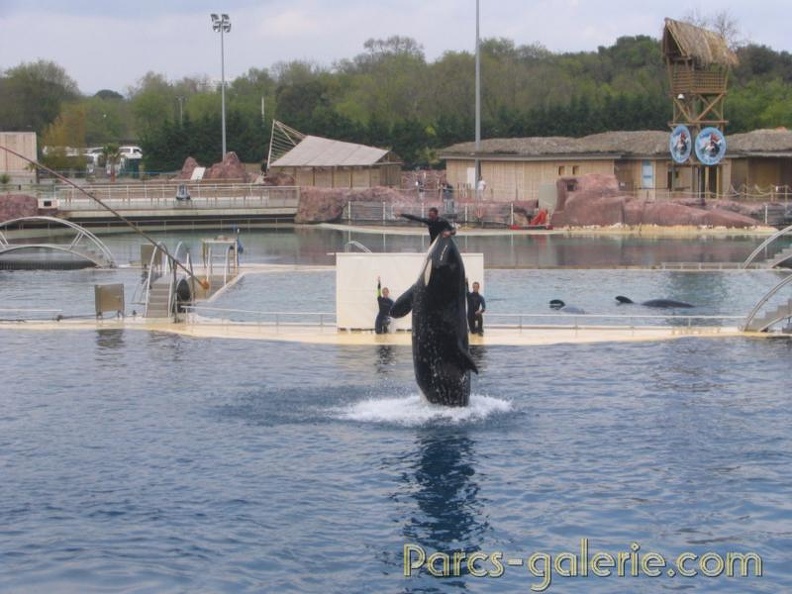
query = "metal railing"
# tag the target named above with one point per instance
(532, 321)
(154, 272)
(764, 300)
(518, 322)
(500, 214)
(157, 196)
(276, 319)
(754, 254)
(84, 244)
(498, 193)
(19, 314)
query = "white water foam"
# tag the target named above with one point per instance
(414, 410)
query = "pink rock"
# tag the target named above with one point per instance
(595, 201)
(16, 206)
(187, 169)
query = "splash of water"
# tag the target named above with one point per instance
(414, 410)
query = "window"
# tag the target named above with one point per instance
(575, 169)
(647, 174)
(561, 171)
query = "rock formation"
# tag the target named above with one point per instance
(278, 179)
(230, 169)
(15, 206)
(596, 201)
(187, 169)
(326, 205)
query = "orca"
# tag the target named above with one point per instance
(559, 305)
(440, 345)
(661, 303)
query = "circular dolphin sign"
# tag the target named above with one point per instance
(680, 144)
(710, 146)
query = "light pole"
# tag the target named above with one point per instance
(477, 164)
(222, 24)
(180, 99)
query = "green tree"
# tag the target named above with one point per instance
(32, 94)
(152, 103)
(389, 96)
(760, 105)
(112, 157)
(107, 119)
(301, 87)
(68, 129)
(760, 63)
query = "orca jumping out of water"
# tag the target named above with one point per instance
(437, 301)
(661, 303)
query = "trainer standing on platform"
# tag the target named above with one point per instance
(434, 221)
(476, 306)
(384, 303)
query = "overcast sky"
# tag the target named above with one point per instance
(111, 44)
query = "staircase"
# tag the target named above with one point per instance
(763, 322)
(779, 258)
(159, 299)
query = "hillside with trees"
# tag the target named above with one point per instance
(389, 96)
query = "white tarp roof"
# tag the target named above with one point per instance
(313, 151)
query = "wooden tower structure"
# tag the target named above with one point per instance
(698, 63)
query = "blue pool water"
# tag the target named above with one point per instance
(142, 462)
(137, 462)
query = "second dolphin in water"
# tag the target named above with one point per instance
(661, 303)
(559, 305)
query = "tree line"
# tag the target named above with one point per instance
(388, 96)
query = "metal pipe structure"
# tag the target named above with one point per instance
(222, 25)
(477, 166)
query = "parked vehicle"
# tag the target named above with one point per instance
(130, 152)
(93, 156)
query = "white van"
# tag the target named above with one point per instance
(130, 152)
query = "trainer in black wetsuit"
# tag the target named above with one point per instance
(476, 306)
(385, 303)
(436, 224)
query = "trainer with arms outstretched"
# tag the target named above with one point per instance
(434, 221)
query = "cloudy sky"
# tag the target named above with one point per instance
(111, 44)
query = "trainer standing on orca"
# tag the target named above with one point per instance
(434, 221)
(439, 325)
(384, 302)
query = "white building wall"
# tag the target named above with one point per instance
(356, 284)
(17, 168)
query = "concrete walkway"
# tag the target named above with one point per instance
(538, 335)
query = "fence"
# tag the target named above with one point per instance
(491, 214)
(326, 321)
(125, 196)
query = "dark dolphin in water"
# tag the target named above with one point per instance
(661, 303)
(559, 305)
(437, 300)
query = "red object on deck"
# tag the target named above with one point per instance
(540, 218)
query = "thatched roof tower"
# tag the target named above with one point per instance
(698, 63)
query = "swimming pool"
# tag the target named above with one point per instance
(148, 462)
